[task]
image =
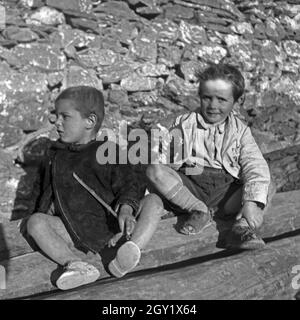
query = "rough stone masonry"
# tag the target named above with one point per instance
(143, 54)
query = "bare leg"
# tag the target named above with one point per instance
(149, 215)
(163, 177)
(169, 183)
(129, 254)
(242, 236)
(234, 203)
(52, 237)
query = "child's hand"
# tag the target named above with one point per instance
(113, 240)
(252, 213)
(126, 220)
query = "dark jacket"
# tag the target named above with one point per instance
(85, 218)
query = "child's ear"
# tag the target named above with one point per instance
(91, 121)
(241, 100)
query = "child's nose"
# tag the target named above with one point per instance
(214, 103)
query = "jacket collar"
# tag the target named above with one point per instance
(204, 125)
(59, 145)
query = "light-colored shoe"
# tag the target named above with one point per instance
(77, 273)
(127, 258)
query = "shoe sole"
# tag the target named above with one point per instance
(127, 258)
(66, 282)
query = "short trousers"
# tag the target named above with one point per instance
(213, 186)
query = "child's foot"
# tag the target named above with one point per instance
(77, 273)
(196, 222)
(244, 237)
(127, 258)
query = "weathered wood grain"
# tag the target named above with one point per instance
(283, 214)
(263, 274)
(30, 273)
(12, 242)
(285, 168)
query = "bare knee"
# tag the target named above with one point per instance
(36, 223)
(152, 205)
(155, 173)
(154, 200)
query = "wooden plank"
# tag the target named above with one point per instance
(284, 167)
(25, 278)
(30, 274)
(284, 210)
(12, 242)
(263, 274)
(33, 273)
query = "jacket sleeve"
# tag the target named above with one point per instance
(255, 170)
(126, 186)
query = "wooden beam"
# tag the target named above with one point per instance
(285, 167)
(12, 242)
(283, 214)
(29, 273)
(263, 274)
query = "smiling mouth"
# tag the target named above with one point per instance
(213, 113)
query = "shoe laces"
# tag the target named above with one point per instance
(245, 233)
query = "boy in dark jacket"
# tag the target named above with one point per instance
(69, 212)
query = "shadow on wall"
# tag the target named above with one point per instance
(29, 186)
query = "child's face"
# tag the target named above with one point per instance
(216, 100)
(70, 124)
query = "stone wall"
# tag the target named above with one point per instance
(143, 54)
